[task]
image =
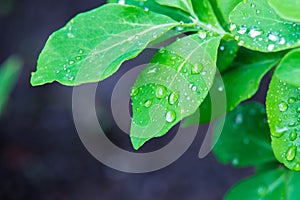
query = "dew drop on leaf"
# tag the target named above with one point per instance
(170, 116)
(173, 98)
(291, 153)
(293, 135)
(134, 91)
(297, 167)
(279, 131)
(197, 68)
(271, 47)
(283, 106)
(160, 92)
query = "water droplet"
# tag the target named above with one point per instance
(272, 37)
(71, 78)
(241, 43)
(282, 41)
(160, 91)
(298, 109)
(57, 71)
(71, 62)
(202, 34)
(239, 118)
(179, 28)
(220, 89)
(121, 2)
(173, 98)
(279, 131)
(252, 5)
(270, 47)
(242, 30)
(81, 51)
(293, 135)
(291, 153)
(235, 162)
(257, 11)
(297, 167)
(170, 116)
(146, 9)
(291, 100)
(283, 106)
(148, 103)
(134, 91)
(254, 33)
(292, 123)
(197, 68)
(194, 88)
(78, 58)
(262, 190)
(222, 48)
(232, 27)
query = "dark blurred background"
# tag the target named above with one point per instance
(41, 155)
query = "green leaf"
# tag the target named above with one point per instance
(9, 72)
(289, 68)
(226, 7)
(245, 138)
(151, 5)
(288, 10)
(172, 86)
(185, 5)
(241, 82)
(205, 13)
(283, 109)
(93, 45)
(226, 54)
(257, 26)
(275, 184)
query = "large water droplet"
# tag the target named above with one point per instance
(283, 106)
(202, 34)
(291, 100)
(134, 91)
(279, 131)
(173, 98)
(170, 116)
(293, 135)
(161, 91)
(291, 153)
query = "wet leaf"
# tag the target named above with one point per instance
(289, 9)
(88, 51)
(241, 82)
(173, 86)
(258, 27)
(283, 109)
(185, 5)
(276, 184)
(226, 54)
(9, 72)
(226, 7)
(289, 68)
(245, 138)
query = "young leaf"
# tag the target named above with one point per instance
(258, 27)
(283, 109)
(241, 82)
(289, 68)
(9, 72)
(288, 10)
(245, 138)
(173, 86)
(275, 184)
(93, 45)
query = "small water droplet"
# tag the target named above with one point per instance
(148, 103)
(232, 27)
(80, 51)
(71, 62)
(202, 34)
(57, 71)
(220, 89)
(242, 30)
(262, 190)
(271, 47)
(134, 91)
(173, 98)
(283, 106)
(273, 37)
(298, 109)
(170, 116)
(194, 88)
(282, 41)
(297, 167)
(238, 119)
(293, 135)
(291, 100)
(235, 162)
(197, 68)
(161, 91)
(78, 58)
(71, 78)
(252, 5)
(146, 9)
(291, 153)
(254, 33)
(257, 11)
(222, 48)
